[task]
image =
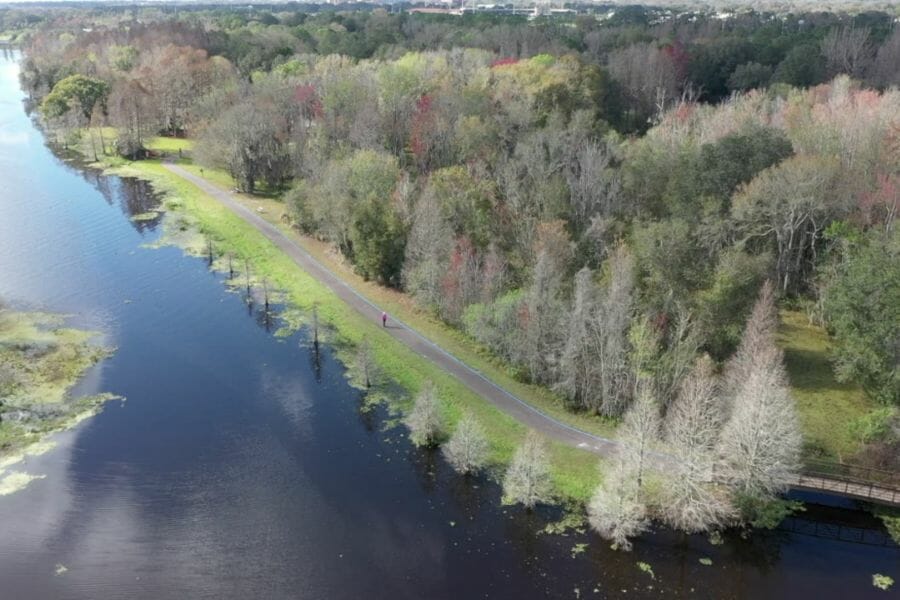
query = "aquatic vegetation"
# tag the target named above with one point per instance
(578, 549)
(646, 568)
(882, 582)
(891, 519)
(571, 520)
(15, 481)
(40, 361)
(145, 216)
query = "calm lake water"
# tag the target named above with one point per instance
(240, 468)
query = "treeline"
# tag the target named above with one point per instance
(649, 58)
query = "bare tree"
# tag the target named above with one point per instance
(315, 325)
(886, 69)
(791, 204)
(428, 249)
(593, 367)
(593, 371)
(691, 500)
(461, 284)
(467, 450)
(616, 511)
(760, 443)
(610, 329)
(527, 480)
(593, 185)
(424, 420)
(647, 75)
(545, 321)
(366, 368)
(578, 372)
(639, 432)
(847, 50)
(265, 285)
(758, 333)
(129, 106)
(493, 274)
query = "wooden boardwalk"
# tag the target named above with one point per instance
(871, 492)
(850, 481)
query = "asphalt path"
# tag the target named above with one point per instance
(472, 378)
(502, 398)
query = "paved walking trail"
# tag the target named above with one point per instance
(471, 378)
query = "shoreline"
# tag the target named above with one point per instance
(575, 471)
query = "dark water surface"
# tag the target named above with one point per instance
(237, 469)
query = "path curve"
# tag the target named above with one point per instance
(472, 378)
(418, 343)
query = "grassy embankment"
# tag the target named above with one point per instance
(39, 362)
(575, 472)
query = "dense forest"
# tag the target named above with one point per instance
(616, 207)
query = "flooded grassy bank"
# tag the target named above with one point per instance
(41, 360)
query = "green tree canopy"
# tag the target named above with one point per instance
(75, 92)
(863, 311)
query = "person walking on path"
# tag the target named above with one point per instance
(384, 319)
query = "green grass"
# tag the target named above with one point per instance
(575, 472)
(170, 144)
(827, 407)
(401, 306)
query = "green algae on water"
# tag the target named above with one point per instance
(150, 215)
(15, 481)
(40, 361)
(578, 549)
(646, 568)
(882, 582)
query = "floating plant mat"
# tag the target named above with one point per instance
(40, 361)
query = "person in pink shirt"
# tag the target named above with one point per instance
(384, 319)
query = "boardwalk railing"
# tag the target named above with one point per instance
(865, 483)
